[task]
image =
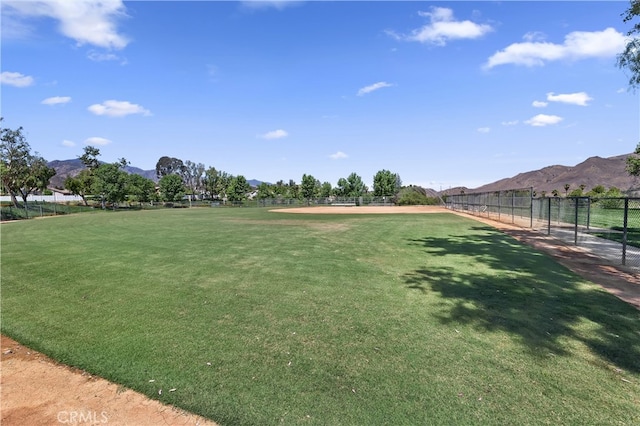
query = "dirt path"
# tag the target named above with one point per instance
(35, 390)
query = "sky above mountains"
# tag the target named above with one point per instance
(443, 93)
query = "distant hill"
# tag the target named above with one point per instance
(608, 172)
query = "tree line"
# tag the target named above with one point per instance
(23, 172)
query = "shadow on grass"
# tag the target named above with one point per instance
(502, 285)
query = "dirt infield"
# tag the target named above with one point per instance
(38, 391)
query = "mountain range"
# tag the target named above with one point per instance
(608, 172)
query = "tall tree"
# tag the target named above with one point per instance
(90, 157)
(352, 186)
(82, 183)
(309, 187)
(111, 182)
(238, 188)
(629, 59)
(21, 171)
(171, 187)
(140, 188)
(193, 175)
(385, 183)
(168, 166)
(326, 189)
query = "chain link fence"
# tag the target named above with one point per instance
(607, 227)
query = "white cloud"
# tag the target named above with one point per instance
(55, 100)
(85, 21)
(577, 45)
(267, 4)
(510, 123)
(442, 28)
(15, 79)
(68, 143)
(534, 36)
(338, 155)
(542, 120)
(274, 134)
(113, 108)
(539, 104)
(97, 141)
(102, 57)
(580, 98)
(484, 129)
(621, 90)
(376, 86)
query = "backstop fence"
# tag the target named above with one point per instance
(607, 227)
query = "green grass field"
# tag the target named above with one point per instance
(263, 318)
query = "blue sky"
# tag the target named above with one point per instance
(443, 93)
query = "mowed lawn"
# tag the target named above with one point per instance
(255, 317)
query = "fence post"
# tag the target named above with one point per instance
(575, 226)
(531, 212)
(588, 212)
(549, 216)
(513, 207)
(624, 231)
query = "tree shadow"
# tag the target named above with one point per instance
(503, 285)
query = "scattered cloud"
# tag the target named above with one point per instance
(56, 100)
(539, 104)
(15, 79)
(97, 141)
(86, 21)
(510, 123)
(68, 143)
(580, 98)
(484, 129)
(113, 108)
(274, 134)
(542, 120)
(577, 45)
(442, 27)
(621, 90)
(102, 57)
(534, 36)
(376, 86)
(338, 155)
(269, 4)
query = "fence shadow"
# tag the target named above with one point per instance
(502, 285)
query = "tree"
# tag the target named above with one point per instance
(168, 166)
(140, 188)
(555, 193)
(21, 171)
(566, 188)
(352, 186)
(385, 184)
(630, 58)
(81, 184)
(171, 188)
(326, 189)
(90, 157)
(309, 187)
(193, 174)
(238, 188)
(633, 163)
(111, 182)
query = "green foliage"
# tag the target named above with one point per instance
(352, 186)
(238, 188)
(309, 187)
(326, 190)
(168, 166)
(171, 188)
(629, 59)
(386, 184)
(21, 172)
(110, 182)
(140, 189)
(81, 184)
(90, 157)
(415, 195)
(633, 162)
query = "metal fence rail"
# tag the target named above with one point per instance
(607, 227)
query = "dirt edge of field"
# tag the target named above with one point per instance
(36, 390)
